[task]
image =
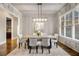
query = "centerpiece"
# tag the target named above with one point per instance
(38, 33)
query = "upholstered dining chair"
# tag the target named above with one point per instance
(32, 43)
(46, 43)
(56, 40)
(20, 40)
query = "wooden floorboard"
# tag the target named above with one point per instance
(5, 50)
(68, 50)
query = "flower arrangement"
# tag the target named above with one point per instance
(38, 33)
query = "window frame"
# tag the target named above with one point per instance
(73, 24)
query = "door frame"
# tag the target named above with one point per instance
(11, 26)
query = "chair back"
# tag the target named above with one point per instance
(56, 36)
(32, 42)
(20, 37)
(45, 42)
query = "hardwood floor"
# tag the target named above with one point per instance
(68, 50)
(8, 47)
(4, 50)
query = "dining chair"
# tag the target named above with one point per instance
(32, 43)
(56, 40)
(46, 43)
(20, 40)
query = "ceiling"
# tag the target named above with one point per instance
(32, 8)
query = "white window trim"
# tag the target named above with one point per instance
(73, 27)
(73, 24)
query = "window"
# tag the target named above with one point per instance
(77, 31)
(62, 25)
(69, 25)
(69, 31)
(76, 18)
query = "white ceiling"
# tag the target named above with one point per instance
(32, 8)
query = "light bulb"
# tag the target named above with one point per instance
(33, 19)
(45, 19)
(42, 19)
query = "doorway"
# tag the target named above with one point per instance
(8, 34)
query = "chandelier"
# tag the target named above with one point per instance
(39, 18)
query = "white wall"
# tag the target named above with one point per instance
(7, 10)
(3, 15)
(56, 23)
(2, 28)
(28, 24)
(15, 27)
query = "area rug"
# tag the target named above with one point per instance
(25, 52)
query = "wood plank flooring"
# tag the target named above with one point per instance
(68, 50)
(5, 50)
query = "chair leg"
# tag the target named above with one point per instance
(25, 46)
(36, 49)
(56, 45)
(19, 45)
(49, 51)
(30, 50)
(42, 49)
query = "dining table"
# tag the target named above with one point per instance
(39, 38)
